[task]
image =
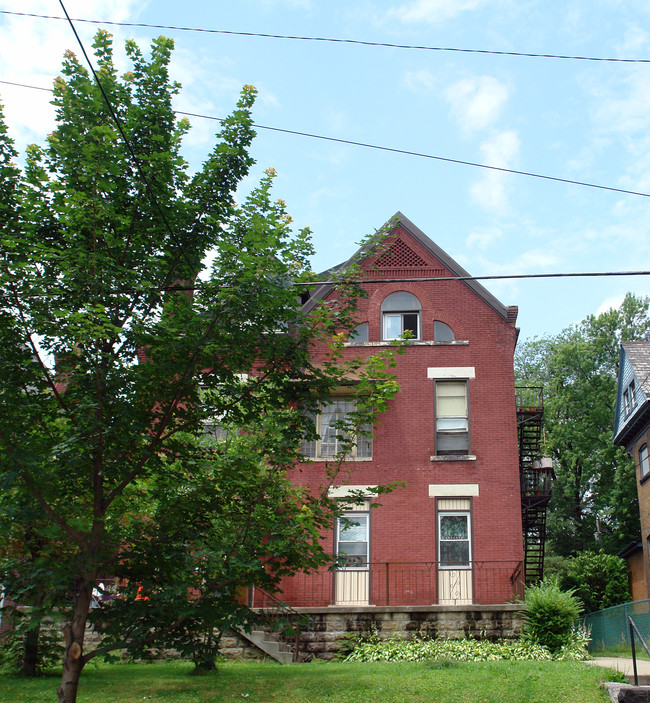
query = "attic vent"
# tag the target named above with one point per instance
(400, 255)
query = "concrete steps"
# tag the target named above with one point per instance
(270, 644)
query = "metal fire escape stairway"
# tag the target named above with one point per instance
(536, 474)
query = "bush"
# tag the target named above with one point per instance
(12, 651)
(446, 651)
(600, 580)
(550, 615)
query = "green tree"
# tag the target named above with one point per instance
(594, 503)
(600, 580)
(115, 356)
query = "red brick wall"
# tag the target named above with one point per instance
(403, 529)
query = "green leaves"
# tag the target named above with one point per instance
(105, 469)
(594, 502)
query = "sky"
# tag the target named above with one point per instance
(578, 120)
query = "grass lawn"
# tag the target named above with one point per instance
(480, 682)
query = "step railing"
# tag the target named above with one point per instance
(290, 622)
(633, 630)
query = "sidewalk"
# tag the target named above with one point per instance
(626, 667)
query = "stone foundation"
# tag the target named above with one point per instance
(325, 634)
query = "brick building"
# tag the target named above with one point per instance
(452, 535)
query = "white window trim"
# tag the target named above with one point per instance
(456, 513)
(453, 490)
(438, 433)
(351, 515)
(384, 332)
(447, 372)
(339, 492)
(643, 473)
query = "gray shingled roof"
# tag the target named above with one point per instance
(638, 354)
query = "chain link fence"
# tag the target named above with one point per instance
(610, 628)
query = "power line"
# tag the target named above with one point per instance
(405, 152)
(332, 40)
(315, 284)
(445, 159)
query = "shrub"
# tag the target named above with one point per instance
(549, 615)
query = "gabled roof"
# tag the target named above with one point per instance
(634, 366)
(455, 269)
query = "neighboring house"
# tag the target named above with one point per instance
(633, 555)
(632, 429)
(452, 536)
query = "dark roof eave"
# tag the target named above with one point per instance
(634, 426)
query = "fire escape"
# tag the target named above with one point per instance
(536, 474)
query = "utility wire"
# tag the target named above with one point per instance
(405, 152)
(315, 284)
(130, 149)
(445, 159)
(334, 40)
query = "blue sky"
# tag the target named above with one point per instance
(578, 120)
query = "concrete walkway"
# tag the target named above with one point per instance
(626, 667)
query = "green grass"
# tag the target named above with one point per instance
(442, 682)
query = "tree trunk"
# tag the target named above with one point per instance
(74, 633)
(31, 659)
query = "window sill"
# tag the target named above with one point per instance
(324, 459)
(409, 342)
(454, 457)
(643, 479)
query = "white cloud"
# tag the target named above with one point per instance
(271, 4)
(477, 102)
(484, 238)
(432, 11)
(31, 53)
(418, 80)
(613, 301)
(500, 151)
(630, 113)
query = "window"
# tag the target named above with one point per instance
(644, 463)
(629, 398)
(454, 548)
(359, 333)
(216, 424)
(452, 420)
(400, 313)
(330, 426)
(442, 332)
(352, 539)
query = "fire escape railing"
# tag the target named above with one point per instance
(536, 474)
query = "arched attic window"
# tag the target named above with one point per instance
(400, 313)
(359, 333)
(442, 332)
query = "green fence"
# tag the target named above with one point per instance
(610, 628)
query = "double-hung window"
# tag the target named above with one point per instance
(644, 462)
(629, 398)
(334, 426)
(451, 418)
